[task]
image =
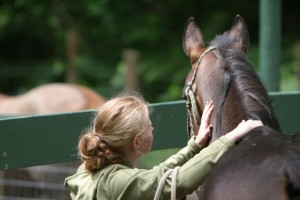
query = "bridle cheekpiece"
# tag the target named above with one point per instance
(193, 116)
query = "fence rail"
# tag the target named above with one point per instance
(37, 140)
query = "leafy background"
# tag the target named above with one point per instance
(33, 41)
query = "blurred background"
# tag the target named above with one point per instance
(112, 45)
(93, 42)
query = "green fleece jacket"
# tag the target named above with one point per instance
(123, 182)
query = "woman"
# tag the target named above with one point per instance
(121, 133)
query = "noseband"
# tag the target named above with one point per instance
(193, 116)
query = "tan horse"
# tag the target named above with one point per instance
(51, 98)
(47, 99)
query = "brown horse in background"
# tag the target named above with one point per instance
(51, 98)
(266, 163)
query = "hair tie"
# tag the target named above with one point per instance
(97, 136)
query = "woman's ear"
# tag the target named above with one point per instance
(135, 143)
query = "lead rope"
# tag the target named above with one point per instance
(162, 182)
(193, 116)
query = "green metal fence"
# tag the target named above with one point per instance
(36, 140)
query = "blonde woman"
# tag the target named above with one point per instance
(121, 133)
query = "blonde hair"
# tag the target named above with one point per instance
(116, 123)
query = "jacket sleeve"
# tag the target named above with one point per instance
(182, 156)
(193, 173)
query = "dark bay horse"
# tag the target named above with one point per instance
(266, 163)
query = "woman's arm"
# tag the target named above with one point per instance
(196, 143)
(183, 155)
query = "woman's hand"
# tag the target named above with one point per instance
(243, 129)
(205, 129)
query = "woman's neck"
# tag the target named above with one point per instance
(131, 156)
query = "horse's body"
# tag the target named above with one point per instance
(51, 98)
(266, 164)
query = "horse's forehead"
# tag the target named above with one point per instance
(209, 64)
(210, 77)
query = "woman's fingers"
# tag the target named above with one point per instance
(207, 111)
(205, 128)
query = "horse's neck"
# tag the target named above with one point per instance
(8, 104)
(229, 117)
(4, 97)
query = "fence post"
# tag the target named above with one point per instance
(297, 63)
(131, 59)
(270, 43)
(72, 41)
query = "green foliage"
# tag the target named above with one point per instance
(153, 158)
(33, 39)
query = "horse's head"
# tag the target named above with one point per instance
(221, 72)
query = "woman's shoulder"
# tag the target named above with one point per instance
(123, 174)
(128, 180)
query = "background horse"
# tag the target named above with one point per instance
(51, 98)
(265, 164)
(45, 99)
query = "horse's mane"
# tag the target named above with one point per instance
(241, 77)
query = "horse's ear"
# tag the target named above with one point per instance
(239, 32)
(192, 36)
